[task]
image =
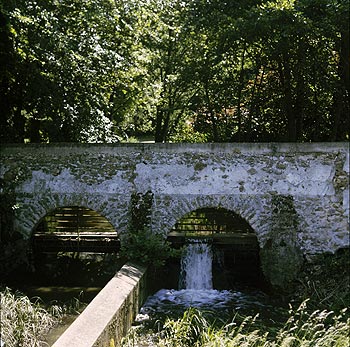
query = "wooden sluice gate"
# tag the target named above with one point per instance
(241, 241)
(233, 242)
(219, 227)
(75, 229)
(76, 243)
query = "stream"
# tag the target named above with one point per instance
(219, 307)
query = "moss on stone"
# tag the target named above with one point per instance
(199, 166)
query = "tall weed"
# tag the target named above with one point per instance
(24, 323)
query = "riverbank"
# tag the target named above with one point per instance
(325, 281)
(317, 316)
(302, 329)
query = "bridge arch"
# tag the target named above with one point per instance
(168, 210)
(116, 211)
(233, 243)
(294, 196)
(74, 245)
(277, 233)
(74, 229)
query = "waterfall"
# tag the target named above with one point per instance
(196, 267)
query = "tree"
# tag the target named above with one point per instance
(217, 71)
(272, 75)
(66, 55)
(7, 77)
(161, 77)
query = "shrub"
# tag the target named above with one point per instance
(147, 248)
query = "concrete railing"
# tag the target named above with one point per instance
(109, 316)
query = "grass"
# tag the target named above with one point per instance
(302, 329)
(24, 323)
(326, 281)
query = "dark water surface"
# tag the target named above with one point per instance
(222, 305)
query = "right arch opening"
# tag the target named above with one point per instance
(235, 247)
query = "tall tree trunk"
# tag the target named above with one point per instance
(300, 98)
(163, 116)
(259, 77)
(165, 130)
(239, 94)
(7, 66)
(19, 121)
(286, 77)
(340, 109)
(158, 131)
(211, 111)
(34, 130)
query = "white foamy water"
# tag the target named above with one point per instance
(196, 267)
(215, 299)
(196, 279)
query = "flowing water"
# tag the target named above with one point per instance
(196, 267)
(196, 291)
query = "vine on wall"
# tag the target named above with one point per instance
(142, 244)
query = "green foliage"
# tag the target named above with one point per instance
(320, 328)
(325, 281)
(64, 56)
(187, 134)
(140, 244)
(141, 209)
(187, 331)
(104, 71)
(147, 248)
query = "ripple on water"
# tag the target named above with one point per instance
(225, 303)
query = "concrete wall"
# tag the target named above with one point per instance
(295, 196)
(110, 315)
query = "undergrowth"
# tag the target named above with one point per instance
(325, 281)
(302, 329)
(319, 319)
(24, 323)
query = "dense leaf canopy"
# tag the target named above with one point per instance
(174, 70)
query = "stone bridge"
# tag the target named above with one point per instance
(294, 196)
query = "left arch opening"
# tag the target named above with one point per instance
(75, 229)
(74, 246)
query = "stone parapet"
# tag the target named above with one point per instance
(111, 313)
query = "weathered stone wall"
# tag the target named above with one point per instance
(295, 196)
